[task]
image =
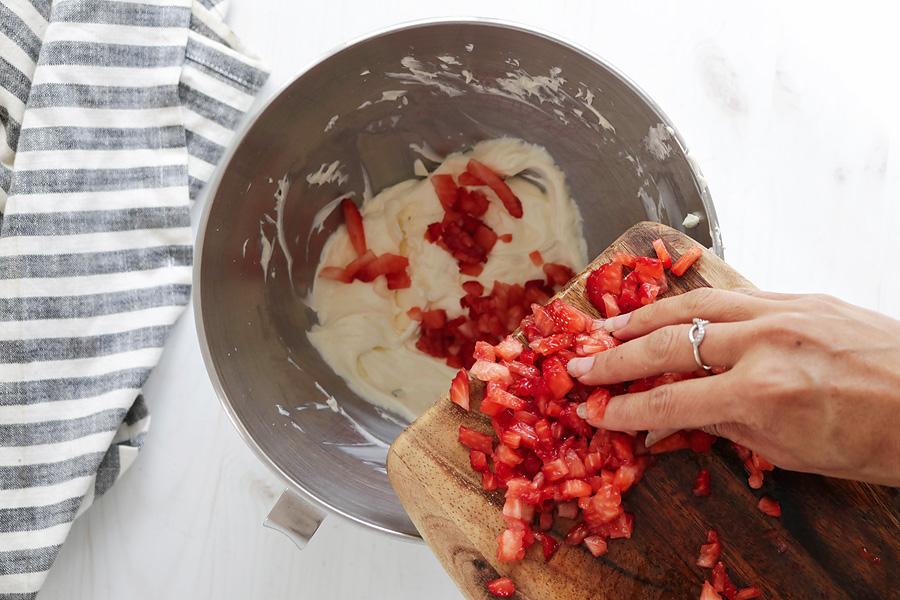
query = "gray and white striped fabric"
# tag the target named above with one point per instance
(112, 116)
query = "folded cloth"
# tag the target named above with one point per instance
(112, 116)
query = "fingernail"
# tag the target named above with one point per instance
(657, 435)
(617, 322)
(581, 365)
(581, 411)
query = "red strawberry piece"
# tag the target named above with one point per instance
(662, 253)
(676, 441)
(568, 318)
(434, 232)
(709, 552)
(536, 258)
(502, 587)
(446, 190)
(553, 343)
(505, 238)
(596, 404)
(721, 583)
(596, 545)
(747, 593)
(471, 269)
(548, 542)
(708, 593)
(702, 483)
(557, 275)
(459, 389)
(486, 238)
(686, 260)
(354, 226)
(475, 440)
(360, 263)
(473, 202)
(512, 204)
(769, 506)
(335, 273)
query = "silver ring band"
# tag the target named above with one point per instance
(696, 335)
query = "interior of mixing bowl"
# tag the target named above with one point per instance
(356, 122)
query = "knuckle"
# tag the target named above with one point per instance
(660, 404)
(699, 300)
(663, 347)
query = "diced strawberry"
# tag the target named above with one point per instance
(505, 399)
(489, 371)
(661, 253)
(548, 543)
(708, 593)
(473, 202)
(512, 204)
(459, 389)
(489, 481)
(354, 226)
(475, 440)
(721, 583)
(359, 263)
(434, 232)
(607, 279)
(769, 506)
(701, 441)
(398, 280)
(709, 552)
(557, 275)
(509, 349)
(596, 545)
(747, 593)
(505, 238)
(610, 306)
(335, 273)
(471, 269)
(478, 461)
(702, 481)
(485, 237)
(383, 265)
(484, 351)
(576, 534)
(596, 404)
(446, 190)
(556, 377)
(676, 441)
(516, 508)
(568, 318)
(574, 488)
(502, 587)
(469, 180)
(686, 260)
(552, 344)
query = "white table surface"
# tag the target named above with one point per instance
(791, 112)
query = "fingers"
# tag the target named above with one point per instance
(718, 306)
(666, 350)
(689, 404)
(768, 295)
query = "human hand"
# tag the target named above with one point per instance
(812, 383)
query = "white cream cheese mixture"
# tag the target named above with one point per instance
(364, 332)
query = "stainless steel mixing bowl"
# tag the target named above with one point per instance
(356, 121)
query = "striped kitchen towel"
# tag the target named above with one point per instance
(112, 116)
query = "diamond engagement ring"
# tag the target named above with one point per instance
(695, 335)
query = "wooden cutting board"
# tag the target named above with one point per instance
(825, 523)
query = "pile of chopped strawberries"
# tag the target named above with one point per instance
(552, 463)
(490, 314)
(721, 583)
